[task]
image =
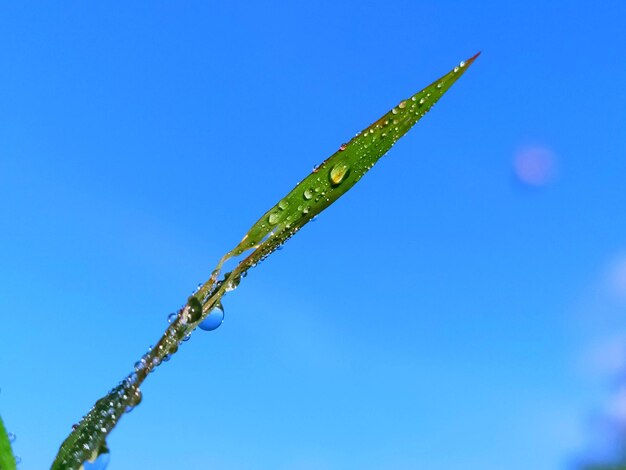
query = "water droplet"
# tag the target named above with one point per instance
(18, 460)
(135, 400)
(171, 317)
(338, 173)
(394, 110)
(308, 194)
(283, 204)
(195, 309)
(306, 210)
(100, 463)
(214, 320)
(11, 437)
(456, 69)
(402, 104)
(273, 218)
(438, 85)
(462, 64)
(342, 147)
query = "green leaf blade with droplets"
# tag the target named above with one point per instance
(329, 181)
(7, 460)
(337, 174)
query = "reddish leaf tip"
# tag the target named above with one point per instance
(472, 59)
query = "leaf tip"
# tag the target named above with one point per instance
(469, 61)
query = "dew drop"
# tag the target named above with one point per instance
(273, 218)
(402, 104)
(283, 204)
(308, 194)
(342, 147)
(214, 320)
(101, 462)
(195, 309)
(11, 437)
(394, 110)
(338, 173)
(171, 317)
(462, 64)
(456, 69)
(306, 210)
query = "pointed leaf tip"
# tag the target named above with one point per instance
(469, 61)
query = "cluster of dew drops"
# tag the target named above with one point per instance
(126, 395)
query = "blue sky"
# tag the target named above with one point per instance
(462, 307)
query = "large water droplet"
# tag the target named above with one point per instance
(402, 104)
(283, 204)
(308, 194)
(338, 173)
(273, 218)
(214, 320)
(171, 317)
(101, 462)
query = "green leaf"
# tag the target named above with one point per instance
(329, 181)
(7, 461)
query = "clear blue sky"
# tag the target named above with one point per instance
(464, 306)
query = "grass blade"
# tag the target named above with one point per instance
(328, 182)
(7, 460)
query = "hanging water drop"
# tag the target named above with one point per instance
(214, 320)
(99, 461)
(171, 317)
(11, 437)
(338, 173)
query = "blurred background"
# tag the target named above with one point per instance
(464, 306)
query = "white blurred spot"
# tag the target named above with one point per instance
(534, 166)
